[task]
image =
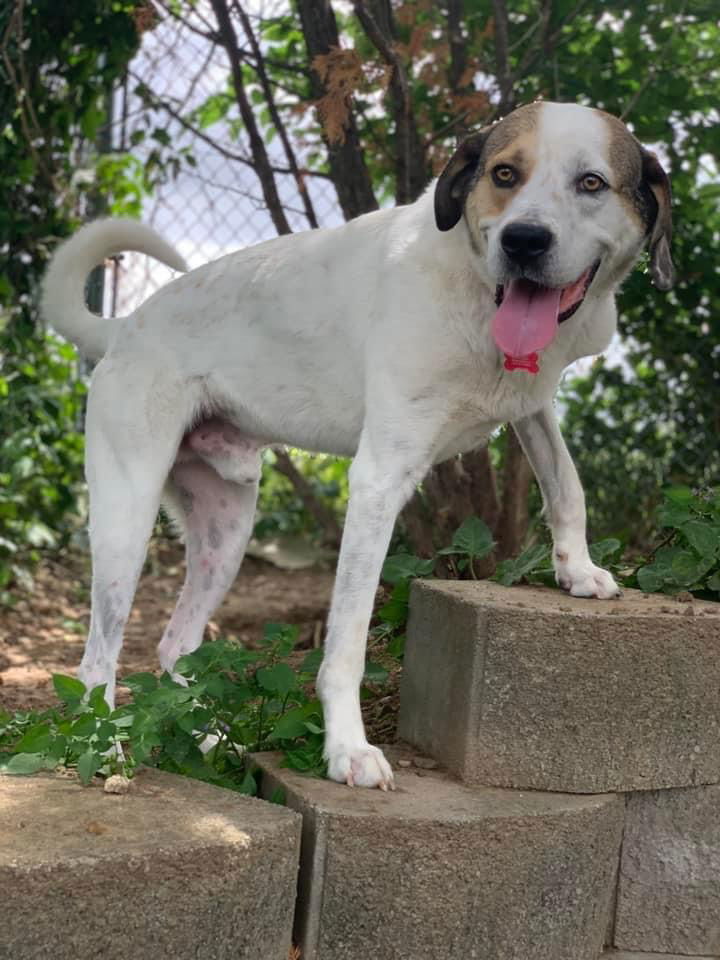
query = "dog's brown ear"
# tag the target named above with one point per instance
(452, 185)
(661, 265)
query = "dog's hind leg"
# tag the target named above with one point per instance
(217, 516)
(130, 445)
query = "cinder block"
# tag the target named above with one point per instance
(173, 869)
(441, 871)
(669, 893)
(529, 688)
(622, 955)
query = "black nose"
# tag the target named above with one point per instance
(525, 242)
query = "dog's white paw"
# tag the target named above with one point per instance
(586, 580)
(360, 766)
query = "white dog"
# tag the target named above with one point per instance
(380, 338)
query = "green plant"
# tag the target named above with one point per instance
(688, 555)
(232, 701)
(472, 541)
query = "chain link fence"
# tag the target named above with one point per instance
(211, 204)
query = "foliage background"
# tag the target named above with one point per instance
(368, 98)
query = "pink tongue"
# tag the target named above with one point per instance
(527, 319)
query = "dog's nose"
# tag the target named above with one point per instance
(525, 242)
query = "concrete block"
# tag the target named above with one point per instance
(173, 869)
(441, 871)
(669, 893)
(529, 688)
(622, 955)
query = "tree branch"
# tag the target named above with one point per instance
(502, 59)
(159, 104)
(411, 166)
(275, 116)
(324, 517)
(261, 161)
(458, 44)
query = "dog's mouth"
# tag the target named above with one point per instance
(529, 314)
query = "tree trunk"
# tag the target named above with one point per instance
(345, 160)
(517, 476)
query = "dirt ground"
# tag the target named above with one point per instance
(44, 632)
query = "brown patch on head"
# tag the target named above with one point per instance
(517, 126)
(512, 141)
(625, 156)
(462, 184)
(644, 189)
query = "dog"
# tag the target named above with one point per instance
(402, 338)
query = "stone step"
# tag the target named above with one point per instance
(529, 688)
(669, 890)
(442, 871)
(173, 869)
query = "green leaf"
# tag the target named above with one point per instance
(674, 515)
(25, 763)
(248, 784)
(474, 538)
(396, 646)
(311, 663)
(651, 579)
(404, 566)
(529, 562)
(88, 765)
(278, 796)
(279, 679)
(703, 537)
(714, 581)
(375, 673)
(98, 702)
(687, 568)
(35, 740)
(290, 725)
(395, 611)
(281, 636)
(682, 495)
(68, 689)
(141, 682)
(604, 550)
(84, 726)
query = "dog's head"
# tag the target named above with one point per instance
(559, 201)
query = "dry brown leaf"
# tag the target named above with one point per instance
(342, 72)
(475, 106)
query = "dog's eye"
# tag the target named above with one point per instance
(504, 176)
(591, 183)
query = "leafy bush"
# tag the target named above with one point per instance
(246, 700)
(41, 451)
(688, 556)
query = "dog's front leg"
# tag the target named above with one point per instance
(380, 483)
(565, 506)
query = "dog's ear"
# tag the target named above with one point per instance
(452, 185)
(656, 180)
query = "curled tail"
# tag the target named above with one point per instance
(63, 298)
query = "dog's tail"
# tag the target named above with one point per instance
(63, 301)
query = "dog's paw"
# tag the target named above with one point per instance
(360, 766)
(586, 580)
